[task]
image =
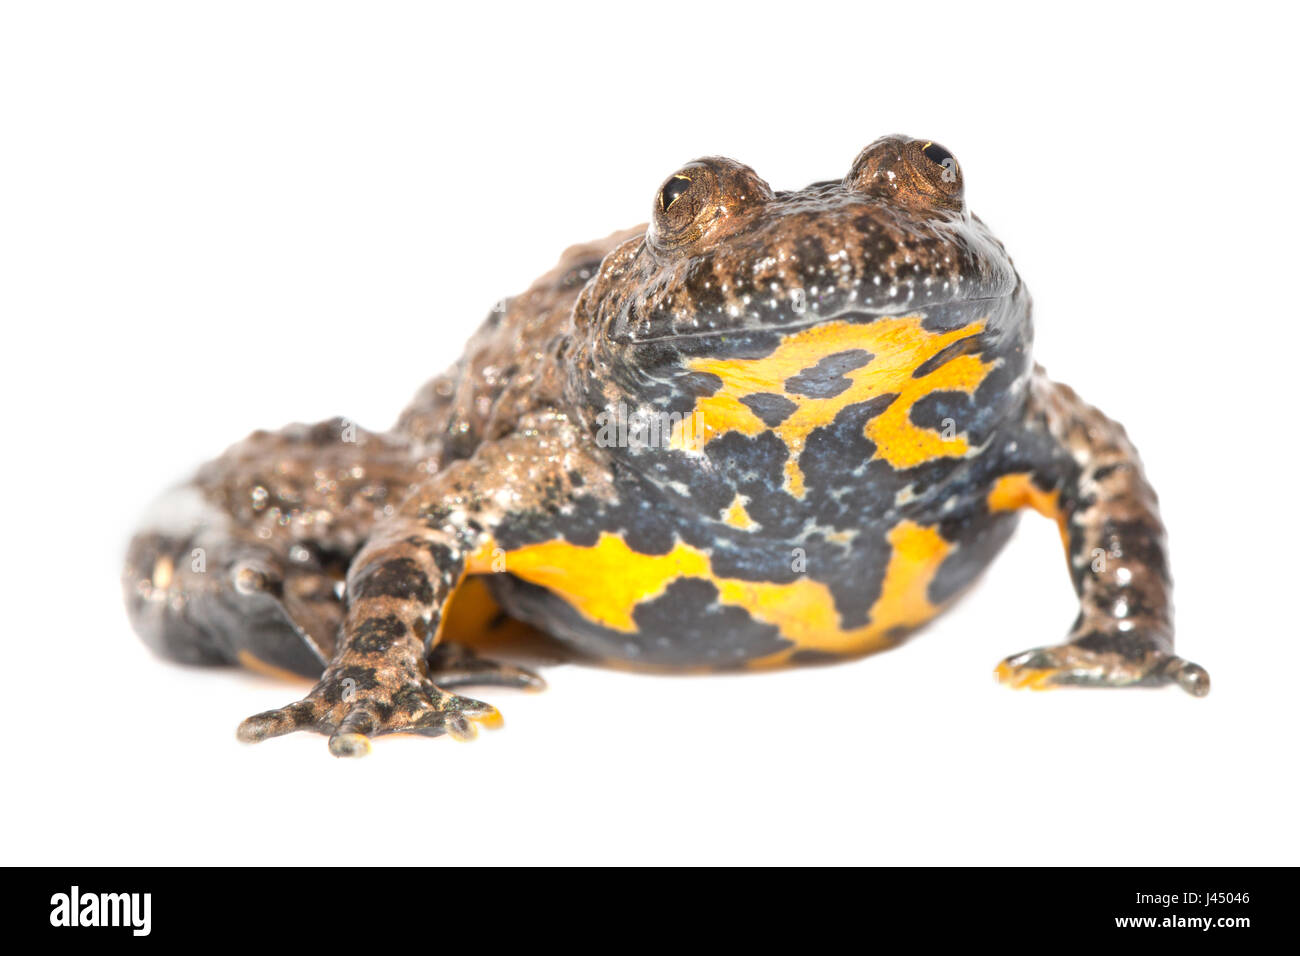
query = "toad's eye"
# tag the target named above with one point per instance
(936, 178)
(672, 190)
(936, 153)
(917, 173)
(699, 199)
(939, 156)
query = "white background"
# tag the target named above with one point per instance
(220, 216)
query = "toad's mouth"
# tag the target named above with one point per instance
(792, 323)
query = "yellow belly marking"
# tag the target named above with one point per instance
(606, 581)
(737, 516)
(898, 345)
(1016, 491)
(473, 617)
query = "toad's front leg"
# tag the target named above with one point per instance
(398, 588)
(1082, 471)
(378, 681)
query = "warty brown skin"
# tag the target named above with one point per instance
(857, 356)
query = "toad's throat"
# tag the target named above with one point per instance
(817, 372)
(797, 322)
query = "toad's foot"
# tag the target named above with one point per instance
(455, 665)
(353, 704)
(1078, 665)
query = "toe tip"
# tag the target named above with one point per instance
(251, 731)
(462, 729)
(1194, 679)
(349, 745)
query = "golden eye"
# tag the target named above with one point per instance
(672, 190)
(909, 172)
(944, 161)
(699, 198)
(938, 177)
(938, 155)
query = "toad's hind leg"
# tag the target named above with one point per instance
(1082, 471)
(244, 564)
(208, 597)
(385, 675)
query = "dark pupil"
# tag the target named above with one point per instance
(674, 188)
(937, 154)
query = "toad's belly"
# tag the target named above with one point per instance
(674, 610)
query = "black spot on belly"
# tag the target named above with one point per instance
(755, 467)
(685, 626)
(699, 384)
(399, 578)
(827, 379)
(993, 403)
(966, 346)
(773, 409)
(979, 536)
(812, 656)
(836, 462)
